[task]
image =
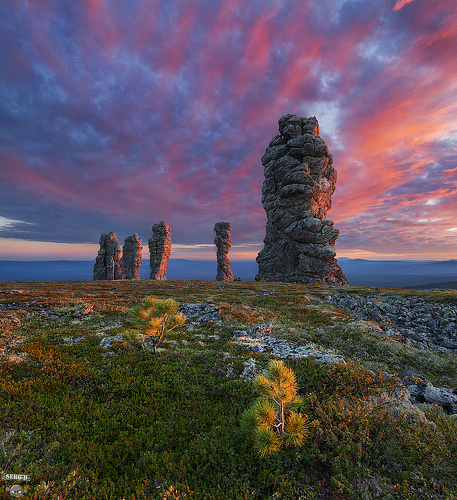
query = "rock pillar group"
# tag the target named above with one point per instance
(223, 244)
(296, 195)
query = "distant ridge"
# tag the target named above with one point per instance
(66, 270)
(398, 273)
(359, 272)
(447, 285)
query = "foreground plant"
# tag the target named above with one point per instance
(155, 317)
(272, 420)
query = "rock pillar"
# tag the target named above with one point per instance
(108, 261)
(160, 250)
(223, 244)
(296, 195)
(132, 258)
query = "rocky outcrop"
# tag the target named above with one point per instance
(420, 390)
(108, 261)
(132, 258)
(223, 244)
(160, 250)
(200, 313)
(424, 324)
(260, 339)
(296, 195)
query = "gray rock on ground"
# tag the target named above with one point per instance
(160, 250)
(132, 258)
(223, 244)
(108, 261)
(421, 390)
(420, 322)
(296, 195)
(200, 313)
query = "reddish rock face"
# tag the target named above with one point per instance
(160, 250)
(132, 258)
(296, 195)
(108, 261)
(223, 244)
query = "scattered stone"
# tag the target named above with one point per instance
(422, 391)
(108, 261)
(223, 244)
(254, 332)
(261, 330)
(73, 340)
(239, 333)
(160, 250)
(258, 340)
(284, 349)
(106, 342)
(250, 371)
(423, 324)
(200, 313)
(132, 258)
(296, 195)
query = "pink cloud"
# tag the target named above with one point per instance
(401, 3)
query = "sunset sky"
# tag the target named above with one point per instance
(115, 115)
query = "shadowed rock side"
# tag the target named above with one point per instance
(160, 250)
(223, 244)
(132, 258)
(296, 194)
(108, 261)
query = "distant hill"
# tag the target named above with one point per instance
(360, 272)
(450, 285)
(65, 270)
(398, 273)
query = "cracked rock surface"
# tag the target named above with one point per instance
(296, 195)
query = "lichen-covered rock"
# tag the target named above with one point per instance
(422, 391)
(132, 258)
(296, 195)
(160, 250)
(200, 313)
(223, 244)
(420, 322)
(108, 261)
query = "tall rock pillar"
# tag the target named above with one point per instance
(132, 258)
(223, 244)
(108, 261)
(160, 250)
(296, 195)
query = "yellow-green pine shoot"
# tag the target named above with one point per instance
(272, 420)
(155, 317)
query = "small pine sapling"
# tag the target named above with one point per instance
(273, 420)
(155, 317)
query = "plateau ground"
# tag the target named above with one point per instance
(89, 413)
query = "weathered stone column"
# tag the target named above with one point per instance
(108, 261)
(132, 258)
(296, 195)
(223, 244)
(160, 250)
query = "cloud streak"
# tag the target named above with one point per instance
(114, 116)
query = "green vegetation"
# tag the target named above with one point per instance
(91, 422)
